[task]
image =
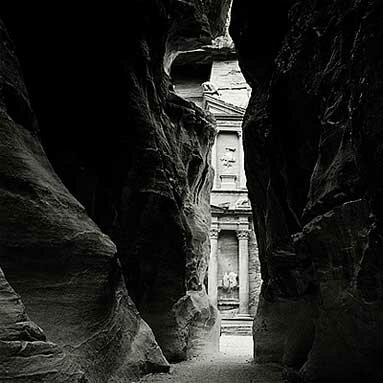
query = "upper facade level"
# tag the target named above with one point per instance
(231, 87)
(220, 88)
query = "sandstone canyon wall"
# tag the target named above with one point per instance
(60, 264)
(136, 156)
(313, 145)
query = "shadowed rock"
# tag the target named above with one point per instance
(135, 155)
(60, 263)
(313, 140)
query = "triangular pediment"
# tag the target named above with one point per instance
(217, 106)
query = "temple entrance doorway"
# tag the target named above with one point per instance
(228, 269)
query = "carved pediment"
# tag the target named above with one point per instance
(217, 106)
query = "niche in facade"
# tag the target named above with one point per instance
(228, 269)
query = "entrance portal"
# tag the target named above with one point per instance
(228, 273)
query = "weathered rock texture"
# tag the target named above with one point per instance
(135, 155)
(164, 220)
(25, 352)
(164, 234)
(61, 265)
(313, 144)
(255, 279)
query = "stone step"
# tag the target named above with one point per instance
(246, 332)
(237, 327)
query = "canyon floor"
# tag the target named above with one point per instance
(233, 364)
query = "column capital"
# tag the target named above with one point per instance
(243, 234)
(214, 233)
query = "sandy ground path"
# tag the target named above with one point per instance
(233, 364)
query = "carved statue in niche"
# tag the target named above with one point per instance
(230, 280)
(228, 158)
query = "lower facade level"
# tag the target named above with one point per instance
(234, 274)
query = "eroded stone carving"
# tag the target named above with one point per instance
(214, 233)
(230, 280)
(209, 88)
(243, 234)
(228, 159)
(243, 203)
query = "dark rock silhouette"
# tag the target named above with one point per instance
(136, 156)
(312, 139)
(59, 262)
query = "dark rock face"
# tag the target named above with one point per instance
(22, 340)
(313, 146)
(165, 211)
(61, 265)
(137, 158)
(164, 235)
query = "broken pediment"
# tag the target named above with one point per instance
(217, 106)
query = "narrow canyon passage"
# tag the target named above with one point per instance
(232, 364)
(180, 176)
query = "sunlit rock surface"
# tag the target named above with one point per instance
(313, 144)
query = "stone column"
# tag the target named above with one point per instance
(214, 161)
(243, 245)
(213, 267)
